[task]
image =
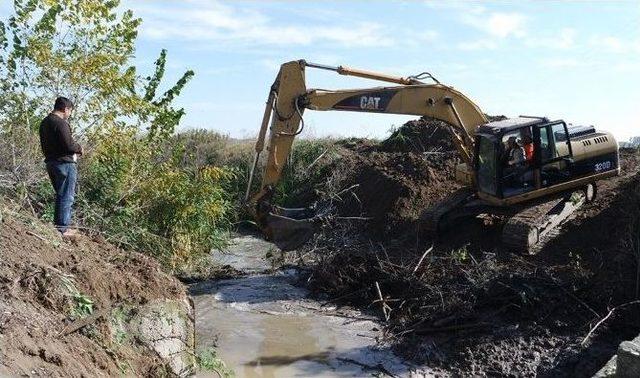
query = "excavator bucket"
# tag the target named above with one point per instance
(290, 228)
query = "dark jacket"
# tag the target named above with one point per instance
(56, 141)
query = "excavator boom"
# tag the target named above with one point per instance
(283, 116)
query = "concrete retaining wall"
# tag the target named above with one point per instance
(167, 327)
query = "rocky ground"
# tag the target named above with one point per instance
(85, 308)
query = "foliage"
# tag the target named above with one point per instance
(172, 195)
(82, 304)
(208, 360)
(82, 49)
(132, 186)
(191, 209)
(304, 172)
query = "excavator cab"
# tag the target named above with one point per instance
(515, 158)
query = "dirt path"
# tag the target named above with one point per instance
(267, 325)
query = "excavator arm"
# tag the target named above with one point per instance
(283, 116)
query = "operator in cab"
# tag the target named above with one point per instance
(516, 154)
(514, 161)
(527, 145)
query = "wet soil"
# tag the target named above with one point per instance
(394, 181)
(468, 305)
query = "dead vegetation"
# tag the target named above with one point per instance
(463, 301)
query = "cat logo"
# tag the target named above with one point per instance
(367, 102)
(377, 101)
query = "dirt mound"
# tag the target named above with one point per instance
(468, 304)
(48, 285)
(393, 182)
(422, 135)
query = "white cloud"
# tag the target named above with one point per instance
(627, 67)
(495, 24)
(566, 38)
(561, 63)
(426, 36)
(480, 44)
(612, 44)
(505, 24)
(270, 64)
(467, 7)
(615, 45)
(212, 21)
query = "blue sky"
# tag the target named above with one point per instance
(579, 61)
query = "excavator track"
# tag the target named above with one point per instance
(434, 218)
(531, 228)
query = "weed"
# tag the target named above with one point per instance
(82, 304)
(208, 360)
(119, 318)
(460, 255)
(576, 198)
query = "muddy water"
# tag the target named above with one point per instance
(265, 325)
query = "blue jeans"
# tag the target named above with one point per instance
(63, 178)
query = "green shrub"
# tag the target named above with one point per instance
(144, 196)
(192, 210)
(208, 360)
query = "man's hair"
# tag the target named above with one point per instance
(62, 103)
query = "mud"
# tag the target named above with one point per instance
(471, 307)
(393, 182)
(44, 282)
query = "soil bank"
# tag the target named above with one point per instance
(48, 287)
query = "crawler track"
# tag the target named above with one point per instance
(436, 218)
(531, 228)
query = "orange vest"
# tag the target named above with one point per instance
(528, 152)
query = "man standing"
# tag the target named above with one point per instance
(61, 152)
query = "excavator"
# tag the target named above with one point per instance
(535, 195)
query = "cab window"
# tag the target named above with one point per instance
(554, 149)
(546, 145)
(561, 141)
(517, 162)
(487, 165)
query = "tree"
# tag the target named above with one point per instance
(81, 49)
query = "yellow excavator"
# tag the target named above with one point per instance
(535, 188)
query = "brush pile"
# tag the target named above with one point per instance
(462, 300)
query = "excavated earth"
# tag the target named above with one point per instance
(469, 305)
(393, 182)
(86, 308)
